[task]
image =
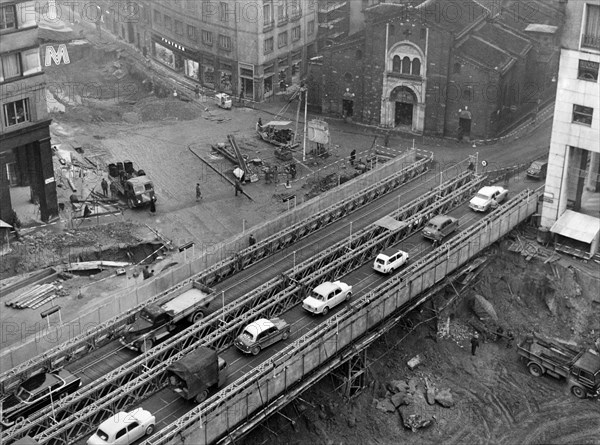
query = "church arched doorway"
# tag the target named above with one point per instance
(404, 100)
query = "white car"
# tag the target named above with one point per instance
(390, 260)
(124, 428)
(326, 296)
(488, 198)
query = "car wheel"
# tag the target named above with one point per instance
(149, 430)
(536, 370)
(255, 350)
(146, 346)
(202, 396)
(348, 296)
(285, 335)
(19, 419)
(325, 310)
(197, 317)
(578, 392)
(130, 203)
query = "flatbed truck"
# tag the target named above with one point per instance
(158, 320)
(579, 367)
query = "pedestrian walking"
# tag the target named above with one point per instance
(471, 166)
(104, 185)
(352, 157)
(386, 139)
(251, 241)
(197, 91)
(238, 187)
(474, 343)
(153, 205)
(198, 193)
(259, 125)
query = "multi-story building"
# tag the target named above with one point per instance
(25, 151)
(249, 49)
(571, 207)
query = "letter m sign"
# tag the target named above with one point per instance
(51, 54)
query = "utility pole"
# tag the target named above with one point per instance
(305, 123)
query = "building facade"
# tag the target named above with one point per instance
(417, 67)
(247, 49)
(573, 182)
(25, 151)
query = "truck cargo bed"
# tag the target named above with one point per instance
(186, 300)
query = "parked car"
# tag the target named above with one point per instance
(262, 333)
(538, 169)
(124, 428)
(390, 260)
(439, 227)
(326, 296)
(37, 392)
(488, 198)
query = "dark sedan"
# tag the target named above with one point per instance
(37, 392)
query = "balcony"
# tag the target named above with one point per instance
(282, 21)
(268, 26)
(331, 6)
(330, 23)
(397, 75)
(296, 14)
(591, 41)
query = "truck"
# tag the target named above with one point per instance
(158, 320)
(131, 185)
(580, 367)
(196, 374)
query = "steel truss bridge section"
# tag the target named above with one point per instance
(79, 413)
(268, 387)
(100, 335)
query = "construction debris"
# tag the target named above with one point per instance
(35, 297)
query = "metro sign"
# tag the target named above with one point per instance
(57, 56)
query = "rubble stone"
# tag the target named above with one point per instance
(444, 398)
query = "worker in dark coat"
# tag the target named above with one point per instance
(251, 241)
(238, 187)
(104, 185)
(474, 343)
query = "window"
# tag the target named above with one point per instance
(190, 5)
(207, 37)
(168, 23)
(396, 64)
(358, 54)
(588, 70)
(406, 65)
(223, 11)
(8, 17)
(416, 67)
(224, 42)
(16, 112)
(282, 39)
(348, 78)
(457, 67)
(281, 10)
(392, 30)
(591, 32)
(269, 45)
(11, 66)
(157, 17)
(582, 115)
(132, 426)
(192, 33)
(423, 33)
(178, 27)
(120, 433)
(311, 28)
(296, 33)
(267, 13)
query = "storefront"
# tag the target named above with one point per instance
(208, 72)
(268, 80)
(192, 69)
(246, 75)
(226, 77)
(296, 67)
(170, 53)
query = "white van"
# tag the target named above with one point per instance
(390, 260)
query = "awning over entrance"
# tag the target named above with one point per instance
(390, 223)
(577, 234)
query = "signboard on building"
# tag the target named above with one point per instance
(318, 131)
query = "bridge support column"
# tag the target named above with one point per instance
(352, 375)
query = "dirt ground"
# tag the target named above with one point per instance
(495, 399)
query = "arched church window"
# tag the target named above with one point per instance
(396, 64)
(416, 66)
(405, 65)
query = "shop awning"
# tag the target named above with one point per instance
(577, 226)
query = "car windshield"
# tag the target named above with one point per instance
(318, 297)
(145, 315)
(431, 226)
(247, 334)
(102, 435)
(23, 394)
(536, 166)
(482, 196)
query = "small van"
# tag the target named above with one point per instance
(390, 260)
(538, 169)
